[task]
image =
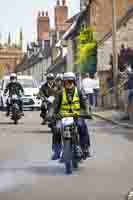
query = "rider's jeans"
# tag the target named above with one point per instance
(83, 133)
(43, 108)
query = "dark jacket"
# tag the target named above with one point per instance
(47, 91)
(14, 88)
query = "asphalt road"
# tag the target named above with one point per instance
(27, 173)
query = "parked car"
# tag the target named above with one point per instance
(31, 89)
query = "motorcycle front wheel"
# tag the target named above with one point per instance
(68, 156)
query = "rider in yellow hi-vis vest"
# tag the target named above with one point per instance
(71, 101)
(74, 107)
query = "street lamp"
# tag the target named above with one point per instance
(115, 55)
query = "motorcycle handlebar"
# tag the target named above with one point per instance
(84, 116)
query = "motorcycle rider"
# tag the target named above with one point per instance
(47, 90)
(70, 100)
(59, 83)
(14, 87)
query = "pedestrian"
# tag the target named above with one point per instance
(88, 89)
(96, 91)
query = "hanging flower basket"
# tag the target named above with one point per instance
(87, 51)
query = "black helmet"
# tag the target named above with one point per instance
(50, 76)
(13, 76)
(59, 77)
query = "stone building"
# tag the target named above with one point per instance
(10, 56)
(35, 62)
(124, 37)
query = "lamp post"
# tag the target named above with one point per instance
(115, 56)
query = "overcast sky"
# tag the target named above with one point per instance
(22, 13)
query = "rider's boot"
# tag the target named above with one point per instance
(42, 115)
(43, 122)
(86, 153)
(8, 112)
(56, 151)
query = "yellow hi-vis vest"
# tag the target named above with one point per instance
(74, 107)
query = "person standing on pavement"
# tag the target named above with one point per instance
(96, 91)
(88, 89)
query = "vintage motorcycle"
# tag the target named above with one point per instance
(70, 142)
(15, 108)
(46, 103)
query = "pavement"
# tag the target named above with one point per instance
(27, 172)
(113, 116)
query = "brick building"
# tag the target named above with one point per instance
(44, 31)
(100, 13)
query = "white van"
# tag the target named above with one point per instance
(31, 89)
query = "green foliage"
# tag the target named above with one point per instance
(86, 45)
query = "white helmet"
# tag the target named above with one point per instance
(69, 76)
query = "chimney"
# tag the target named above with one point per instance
(42, 13)
(43, 27)
(39, 14)
(63, 2)
(58, 3)
(61, 15)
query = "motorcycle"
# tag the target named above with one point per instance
(14, 108)
(70, 141)
(46, 103)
